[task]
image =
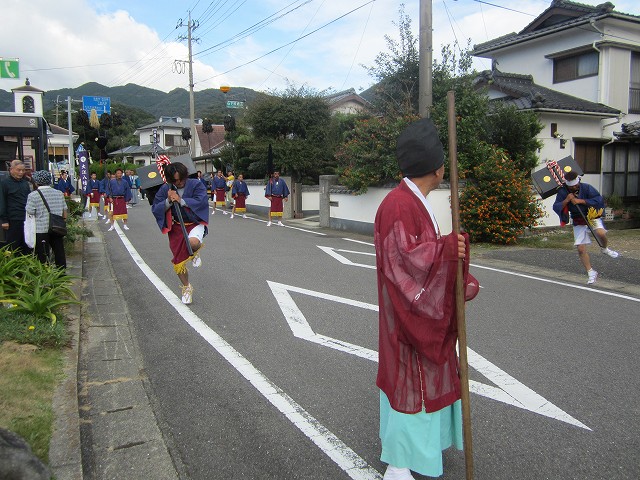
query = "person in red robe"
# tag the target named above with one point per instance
(417, 267)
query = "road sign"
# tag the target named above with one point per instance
(9, 68)
(234, 104)
(99, 104)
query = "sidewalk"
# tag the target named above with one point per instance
(105, 428)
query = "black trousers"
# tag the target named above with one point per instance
(14, 236)
(44, 241)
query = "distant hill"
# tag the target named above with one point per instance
(210, 102)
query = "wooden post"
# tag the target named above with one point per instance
(460, 288)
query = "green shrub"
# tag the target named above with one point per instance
(500, 204)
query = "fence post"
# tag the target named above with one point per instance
(325, 197)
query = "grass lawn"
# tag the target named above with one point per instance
(28, 378)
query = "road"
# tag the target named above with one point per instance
(270, 373)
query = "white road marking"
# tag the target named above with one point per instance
(358, 241)
(348, 460)
(509, 391)
(344, 260)
(287, 226)
(556, 282)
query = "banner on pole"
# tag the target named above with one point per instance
(83, 165)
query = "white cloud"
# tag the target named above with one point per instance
(67, 43)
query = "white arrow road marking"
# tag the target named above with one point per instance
(508, 390)
(348, 460)
(342, 259)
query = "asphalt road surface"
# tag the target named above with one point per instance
(270, 373)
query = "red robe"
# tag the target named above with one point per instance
(418, 365)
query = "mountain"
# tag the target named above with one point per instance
(210, 102)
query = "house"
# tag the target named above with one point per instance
(578, 67)
(170, 141)
(347, 101)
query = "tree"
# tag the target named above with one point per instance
(296, 122)
(397, 72)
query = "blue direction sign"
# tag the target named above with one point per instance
(99, 104)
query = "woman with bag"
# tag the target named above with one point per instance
(57, 206)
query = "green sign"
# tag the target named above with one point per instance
(234, 104)
(9, 68)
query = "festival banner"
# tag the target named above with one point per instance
(83, 165)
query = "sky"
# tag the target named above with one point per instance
(264, 45)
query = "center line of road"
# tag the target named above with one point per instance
(348, 460)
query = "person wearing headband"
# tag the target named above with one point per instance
(420, 408)
(572, 199)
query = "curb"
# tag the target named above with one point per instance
(65, 457)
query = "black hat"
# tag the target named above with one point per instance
(419, 150)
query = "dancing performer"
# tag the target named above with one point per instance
(420, 408)
(276, 191)
(190, 196)
(93, 191)
(571, 200)
(239, 192)
(119, 193)
(219, 185)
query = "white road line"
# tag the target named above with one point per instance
(287, 226)
(344, 260)
(555, 282)
(531, 277)
(509, 390)
(348, 460)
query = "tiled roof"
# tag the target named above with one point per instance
(350, 94)
(521, 91)
(630, 131)
(137, 150)
(211, 141)
(560, 15)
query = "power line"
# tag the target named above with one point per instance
(366, 24)
(289, 43)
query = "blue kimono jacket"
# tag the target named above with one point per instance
(240, 188)
(120, 188)
(586, 192)
(277, 187)
(196, 208)
(65, 186)
(218, 182)
(91, 184)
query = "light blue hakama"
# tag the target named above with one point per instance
(416, 441)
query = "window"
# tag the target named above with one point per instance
(28, 105)
(634, 84)
(588, 155)
(621, 170)
(578, 66)
(174, 141)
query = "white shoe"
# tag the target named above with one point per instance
(125, 227)
(107, 222)
(395, 473)
(226, 213)
(244, 216)
(611, 253)
(196, 262)
(213, 212)
(280, 224)
(100, 215)
(593, 276)
(187, 294)
(268, 224)
(111, 228)
(231, 215)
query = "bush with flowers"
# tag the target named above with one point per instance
(499, 204)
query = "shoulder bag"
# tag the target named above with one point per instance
(57, 223)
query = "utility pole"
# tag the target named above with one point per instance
(425, 96)
(192, 111)
(70, 152)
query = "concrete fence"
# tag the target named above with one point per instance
(338, 208)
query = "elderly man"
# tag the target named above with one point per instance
(14, 190)
(420, 409)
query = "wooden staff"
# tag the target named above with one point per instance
(460, 288)
(178, 212)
